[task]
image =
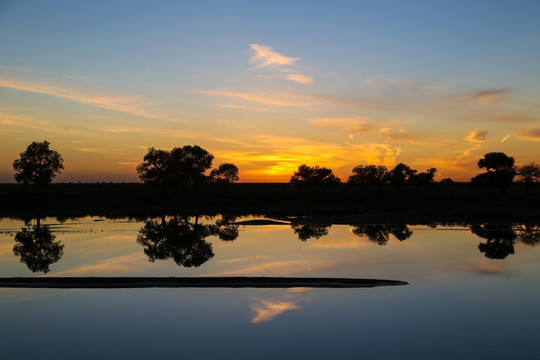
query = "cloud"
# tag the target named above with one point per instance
(240, 107)
(267, 310)
(350, 125)
(485, 97)
(477, 135)
(285, 98)
(505, 138)
(532, 134)
(403, 135)
(266, 56)
(133, 105)
(302, 79)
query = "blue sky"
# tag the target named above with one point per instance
(270, 85)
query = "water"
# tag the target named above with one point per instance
(473, 291)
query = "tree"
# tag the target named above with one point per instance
(224, 174)
(529, 173)
(38, 164)
(400, 174)
(314, 177)
(307, 231)
(500, 170)
(188, 165)
(424, 178)
(368, 175)
(155, 167)
(178, 167)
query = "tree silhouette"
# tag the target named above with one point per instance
(155, 166)
(314, 177)
(500, 170)
(188, 165)
(178, 167)
(424, 178)
(500, 240)
(380, 233)
(400, 174)
(306, 231)
(528, 174)
(37, 248)
(174, 239)
(368, 175)
(225, 174)
(38, 164)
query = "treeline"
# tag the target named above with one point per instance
(500, 172)
(186, 167)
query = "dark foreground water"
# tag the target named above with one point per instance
(473, 290)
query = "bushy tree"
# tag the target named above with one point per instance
(368, 175)
(314, 177)
(424, 178)
(500, 170)
(38, 164)
(155, 166)
(400, 175)
(178, 167)
(528, 174)
(225, 174)
(189, 163)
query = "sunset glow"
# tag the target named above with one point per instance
(270, 86)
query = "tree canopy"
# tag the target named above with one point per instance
(224, 174)
(500, 170)
(314, 176)
(38, 164)
(179, 167)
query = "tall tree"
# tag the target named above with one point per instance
(155, 166)
(38, 164)
(189, 163)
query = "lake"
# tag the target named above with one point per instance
(473, 289)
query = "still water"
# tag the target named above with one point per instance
(473, 290)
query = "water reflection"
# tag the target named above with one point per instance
(176, 239)
(306, 231)
(182, 240)
(37, 248)
(380, 233)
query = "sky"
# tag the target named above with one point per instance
(269, 86)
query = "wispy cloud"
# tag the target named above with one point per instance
(280, 98)
(240, 107)
(133, 105)
(349, 125)
(485, 97)
(505, 138)
(477, 135)
(532, 134)
(302, 79)
(266, 56)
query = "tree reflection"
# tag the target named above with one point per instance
(182, 240)
(380, 233)
(308, 231)
(500, 239)
(37, 248)
(529, 234)
(225, 228)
